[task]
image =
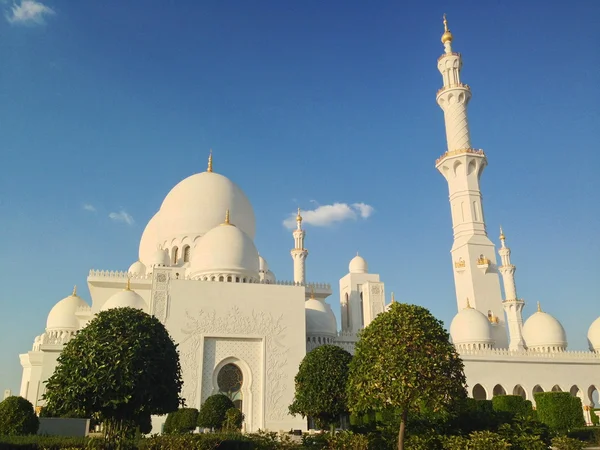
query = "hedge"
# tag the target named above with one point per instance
(48, 443)
(559, 410)
(513, 404)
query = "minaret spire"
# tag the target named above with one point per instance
(299, 253)
(513, 306)
(473, 253)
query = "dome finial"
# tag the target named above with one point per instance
(447, 36)
(539, 307)
(393, 298)
(468, 304)
(227, 217)
(299, 219)
(312, 291)
(74, 294)
(209, 169)
(128, 285)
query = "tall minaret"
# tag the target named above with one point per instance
(513, 306)
(473, 254)
(299, 253)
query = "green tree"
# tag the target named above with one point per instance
(234, 419)
(321, 385)
(405, 361)
(17, 417)
(214, 411)
(122, 367)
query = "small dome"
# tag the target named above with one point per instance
(125, 299)
(160, 257)
(543, 332)
(358, 265)
(62, 315)
(594, 335)
(196, 205)
(470, 329)
(225, 250)
(137, 268)
(149, 240)
(320, 320)
(262, 264)
(270, 277)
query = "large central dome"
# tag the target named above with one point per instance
(195, 206)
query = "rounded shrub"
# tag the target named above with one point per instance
(184, 420)
(17, 417)
(214, 410)
(559, 410)
(567, 443)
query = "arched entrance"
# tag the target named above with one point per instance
(230, 380)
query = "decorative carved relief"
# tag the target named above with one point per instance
(160, 294)
(235, 322)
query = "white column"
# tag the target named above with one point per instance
(299, 253)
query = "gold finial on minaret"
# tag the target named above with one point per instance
(447, 36)
(128, 285)
(502, 237)
(74, 294)
(539, 307)
(468, 304)
(299, 219)
(209, 169)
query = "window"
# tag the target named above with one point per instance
(186, 253)
(230, 381)
(175, 255)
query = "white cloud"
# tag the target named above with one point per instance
(121, 216)
(89, 207)
(29, 12)
(363, 209)
(325, 215)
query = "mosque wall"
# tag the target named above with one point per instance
(259, 327)
(493, 374)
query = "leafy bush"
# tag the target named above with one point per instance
(49, 443)
(211, 441)
(213, 411)
(347, 440)
(234, 419)
(184, 420)
(17, 417)
(424, 442)
(478, 440)
(476, 415)
(566, 443)
(587, 434)
(594, 417)
(559, 410)
(513, 404)
(525, 434)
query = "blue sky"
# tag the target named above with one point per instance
(111, 103)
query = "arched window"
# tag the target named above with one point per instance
(518, 390)
(186, 254)
(479, 392)
(499, 390)
(230, 381)
(175, 255)
(221, 279)
(229, 279)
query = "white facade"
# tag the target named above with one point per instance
(200, 273)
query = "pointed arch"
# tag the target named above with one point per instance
(518, 390)
(479, 392)
(498, 390)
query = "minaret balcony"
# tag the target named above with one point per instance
(460, 151)
(453, 86)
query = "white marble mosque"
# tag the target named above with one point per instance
(242, 331)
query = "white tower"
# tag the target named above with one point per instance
(513, 306)
(299, 253)
(362, 296)
(473, 253)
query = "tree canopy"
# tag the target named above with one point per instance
(321, 385)
(404, 361)
(17, 417)
(213, 412)
(122, 367)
